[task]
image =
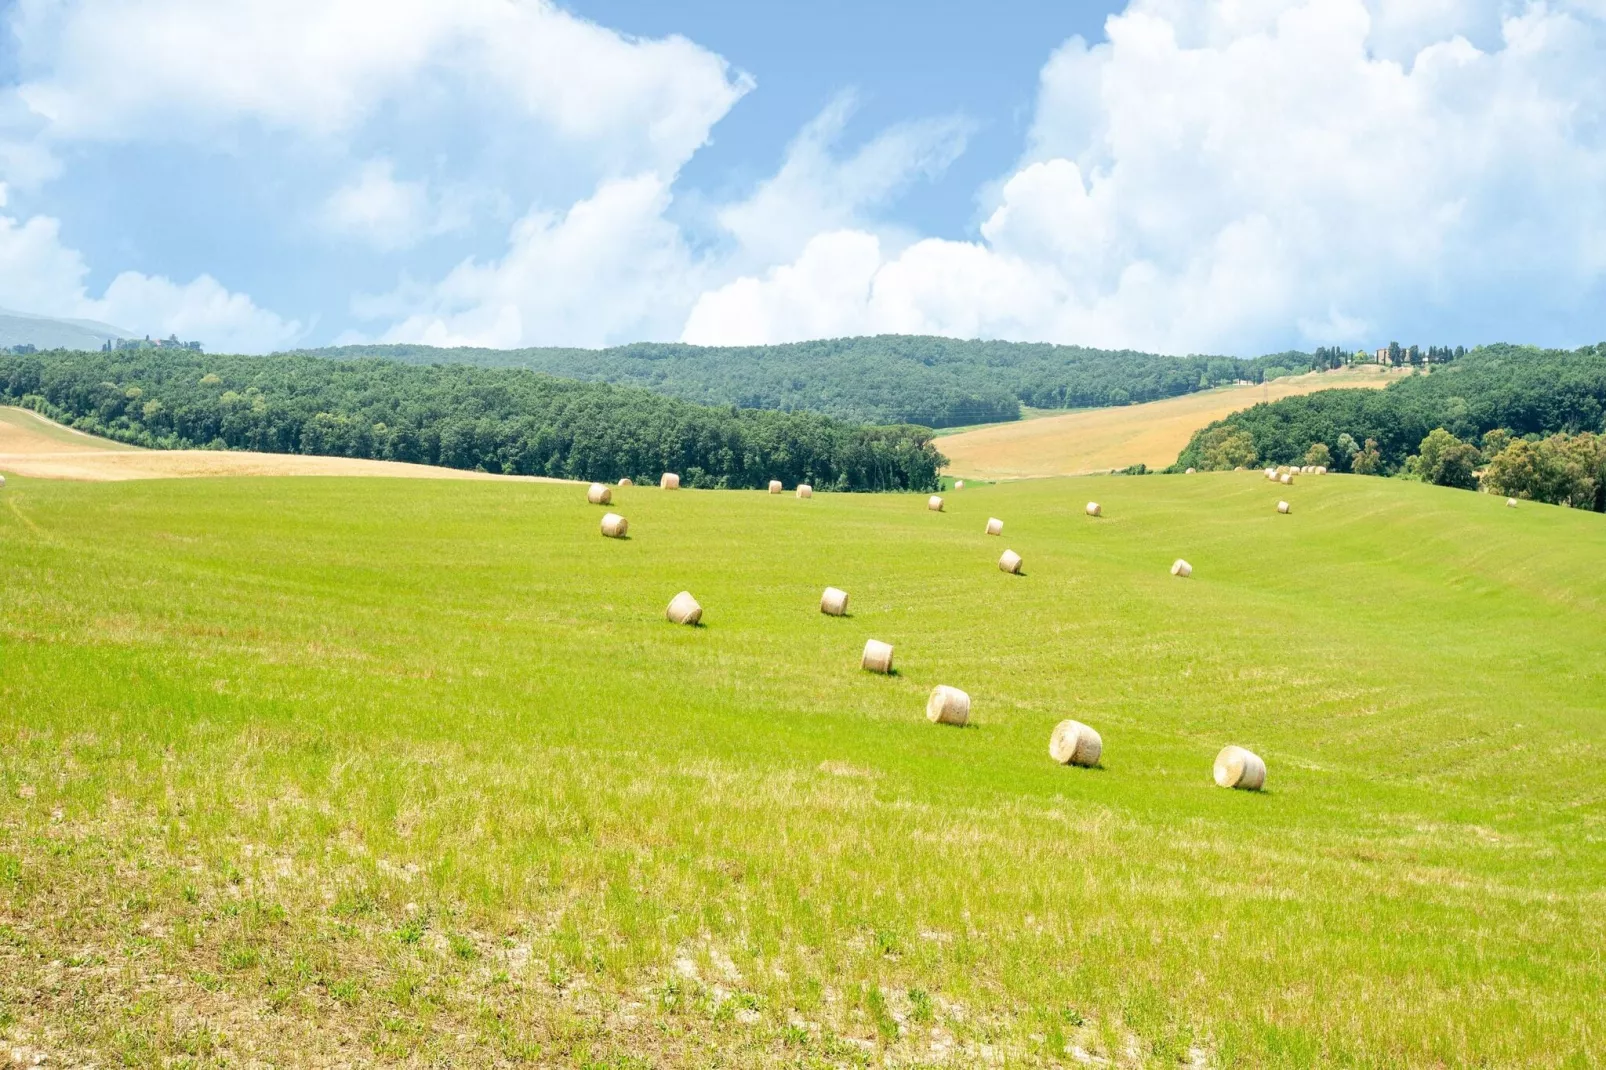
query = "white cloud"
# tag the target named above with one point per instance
(389, 213)
(610, 269)
(39, 274)
(815, 191)
(174, 69)
(1219, 176)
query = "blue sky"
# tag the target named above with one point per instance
(1176, 175)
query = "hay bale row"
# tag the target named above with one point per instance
(877, 657)
(1074, 743)
(1236, 767)
(684, 609)
(948, 705)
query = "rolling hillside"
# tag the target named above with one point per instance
(414, 772)
(42, 332)
(1100, 440)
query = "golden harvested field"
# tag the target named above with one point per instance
(1100, 440)
(31, 445)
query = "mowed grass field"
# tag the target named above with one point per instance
(1102, 440)
(343, 771)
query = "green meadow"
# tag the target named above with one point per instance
(342, 771)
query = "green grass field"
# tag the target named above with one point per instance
(304, 772)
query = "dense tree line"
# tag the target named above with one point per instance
(935, 382)
(506, 420)
(1519, 390)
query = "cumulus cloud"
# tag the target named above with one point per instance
(39, 274)
(1242, 176)
(389, 213)
(612, 268)
(322, 67)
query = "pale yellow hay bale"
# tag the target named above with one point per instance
(834, 602)
(877, 656)
(947, 705)
(597, 494)
(995, 526)
(1074, 743)
(1286, 479)
(669, 481)
(684, 609)
(1237, 468)
(805, 491)
(934, 503)
(1189, 472)
(1010, 562)
(1271, 473)
(614, 526)
(1321, 469)
(959, 484)
(1181, 568)
(775, 486)
(1511, 503)
(1239, 768)
(625, 482)
(2, 481)
(1282, 507)
(1095, 509)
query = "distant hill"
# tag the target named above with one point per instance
(42, 332)
(886, 379)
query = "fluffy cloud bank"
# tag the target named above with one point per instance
(1242, 176)
(39, 274)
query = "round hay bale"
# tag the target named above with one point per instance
(1095, 509)
(1074, 743)
(1181, 568)
(1321, 469)
(1189, 472)
(834, 602)
(1511, 503)
(1239, 768)
(1271, 473)
(2, 481)
(1286, 479)
(775, 486)
(625, 482)
(995, 526)
(614, 526)
(877, 656)
(597, 494)
(959, 484)
(934, 503)
(805, 491)
(947, 705)
(669, 481)
(684, 609)
(1010, 562)
(1282, 507)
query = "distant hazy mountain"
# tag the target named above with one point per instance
(20, 328)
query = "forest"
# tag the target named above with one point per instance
(1529, 418)
(503, 420)
(934, 382)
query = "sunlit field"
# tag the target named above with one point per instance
(308, 772)
(1101, 440)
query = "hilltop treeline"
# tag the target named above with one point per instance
(935, 382)
(505, 420)
(1520, 392)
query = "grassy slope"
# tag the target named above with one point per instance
(337, 769)
(1099, 440)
